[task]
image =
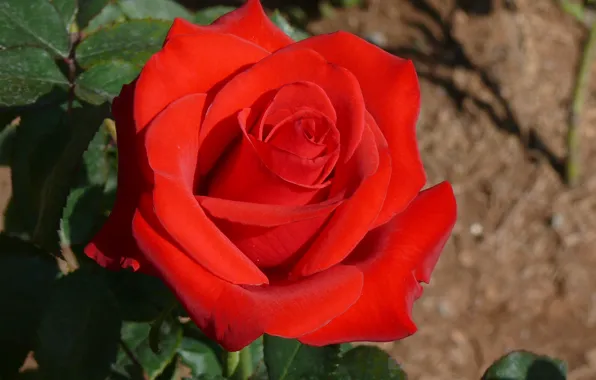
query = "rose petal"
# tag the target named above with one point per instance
(353, 219)
(392, 96)
(393, 258)
(248, 22)
(292, 98)
(188, 64)
(234, 315)
(271, 247)
(264, 215)
(243, 175)
(254, 86)
(113, 246)
(172, 143)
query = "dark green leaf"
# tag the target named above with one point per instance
(39, 141)
(141, 297)
(81, 215)
(104, 81)
(523, 365)
(366, 362)
(199, 357)
(26, 74)
(33, 23)
(88, 9)
(288, 359)
(281, 22)
(80, 329)
(155, 9)
(171, 371)
(7, 137)
(83, 122)
(67, 9)
(93, 18)
(26, 276)
(136, 337)
(133, 41)
(99, 159)
(208, 15)
(345, 347)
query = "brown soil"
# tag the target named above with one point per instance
(519, 272)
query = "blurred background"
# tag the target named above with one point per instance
(498, 81)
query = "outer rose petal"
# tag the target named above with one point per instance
(394, 258)
(392, 96)
(236, 315)
(114, 247)
(171, 150)
(248, 22)
(190, 64)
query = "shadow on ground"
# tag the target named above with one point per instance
(447, 52)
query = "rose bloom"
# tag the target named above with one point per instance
(275, 186)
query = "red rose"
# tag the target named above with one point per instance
(275, 186)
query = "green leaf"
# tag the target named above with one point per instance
(26, 74)
(154, 9)
(96, 13)
(80, 329)
(366, 362)
(288, 359)
(104, 81)
(199, 357)
(26, 276)
(136, 337)
(83, 123)
(100, 160)
(33, 23)
(39, 141)
(7, 137)
(80, 218)
(67, 9)
(171, 370)
(281, 22)
(523, 365)
(88, 9)
(141, 297)
(133, 41)
(208, 15)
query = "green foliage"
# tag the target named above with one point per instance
(103, 82)
(523, 365)
(289, 359)
(26, 276)
(132, 41)
(135, 336)
(95, 13)
(364, 362)
(141, 298)
(26, 74)
(155, 9)
(199, 357)
(81, 310)
(33, 23)
(208, 15)
(294, 33)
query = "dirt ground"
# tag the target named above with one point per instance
(520, 270)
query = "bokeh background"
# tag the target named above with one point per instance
(497, 80)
